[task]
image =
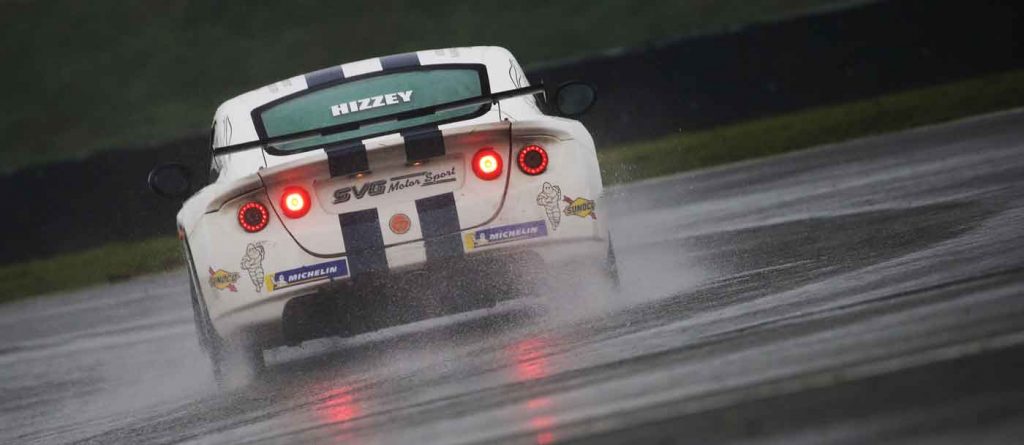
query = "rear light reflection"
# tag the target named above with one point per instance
(530, 357)
(487, 164)
(253, 217)
(295, 202)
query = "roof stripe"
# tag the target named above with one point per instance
(326, 75)
(399, 61)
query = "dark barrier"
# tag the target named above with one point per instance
(73, 205)
(772, 68)
(683, 85)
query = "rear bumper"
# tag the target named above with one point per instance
(409, 293)
(556, 217)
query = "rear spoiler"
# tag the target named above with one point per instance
(332, 129)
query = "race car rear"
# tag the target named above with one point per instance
(507, 193)
(374, 194)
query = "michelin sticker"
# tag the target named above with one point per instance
(308, 274)
(504, 234)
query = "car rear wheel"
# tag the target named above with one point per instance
(235, 364)
(611, 266)
(231, 363)
(204, 335)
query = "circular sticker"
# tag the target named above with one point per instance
(400, 223)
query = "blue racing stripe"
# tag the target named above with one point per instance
(364, 244)
(326, 75)
(439, 221)
(399, 61)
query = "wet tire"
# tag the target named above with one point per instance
(204, 335)
(208, 339)
(237, 364)
(231, 363)
(611, 266)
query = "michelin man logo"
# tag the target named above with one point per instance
(550, 198)
(481, 239)
(252, 262)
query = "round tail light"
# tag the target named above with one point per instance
(487, 164)
(253, 217)
(295, 202)
(533, 160)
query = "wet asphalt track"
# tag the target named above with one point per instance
(869, 291)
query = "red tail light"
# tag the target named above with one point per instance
(533, 160)
(295, 202)
(253, 217)
(487, 164)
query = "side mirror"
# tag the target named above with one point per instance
(171, 181)
(574, 98)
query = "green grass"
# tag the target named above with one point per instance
(82, 76)
(812, 127)
(621, 164)
(110, 263)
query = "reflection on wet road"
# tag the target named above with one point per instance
(868, 291)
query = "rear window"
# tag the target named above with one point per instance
(370, 97)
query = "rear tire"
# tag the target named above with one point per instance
(237, 364)
(232, 363)
(611, 266)
(206, 338)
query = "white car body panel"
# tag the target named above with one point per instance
(243, 278)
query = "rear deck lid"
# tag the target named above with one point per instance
(387, 199)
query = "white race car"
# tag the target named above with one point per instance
(386, 191)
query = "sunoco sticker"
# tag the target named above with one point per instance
(308, 274)
(504, 234)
